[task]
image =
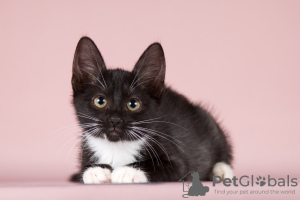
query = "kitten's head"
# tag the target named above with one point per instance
(109, 103)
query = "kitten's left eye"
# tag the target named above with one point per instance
(133, 105)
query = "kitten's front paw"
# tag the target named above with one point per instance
(128, 175)
(223, 170)
(96, 175)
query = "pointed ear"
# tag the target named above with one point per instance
(88, 64)
(150, 70)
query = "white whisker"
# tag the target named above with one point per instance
(153, 118)
(95, 78)
(88, 116)
(145, 122)
(156, 142)
(141, 77)
(133, 136)
(157, 133)
(99, 67)
(150, 146)
(149, 79)
(139, 69)
(89, 131)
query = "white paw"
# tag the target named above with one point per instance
(223, 170)
(128, 175)
(96, 175)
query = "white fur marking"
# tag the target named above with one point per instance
(128, 175)
(223, 170)
(96, 175)
(115, 154)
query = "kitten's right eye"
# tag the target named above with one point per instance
(100, 102)
(133, 105)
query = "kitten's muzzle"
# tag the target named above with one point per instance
(115, 121)
(114, 134)
(115, 129)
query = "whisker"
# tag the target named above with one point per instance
(89, 131)
(132, 137)
(145, 122)
(88, 134)
(142, 76)
(103, 79)
(70, 129)
(99, 67)
(151, 132)
(77, 141)
(156, 142)
(94, 85)
(139, 68)
(158, 132)
(79, 114)
(83, 114)
(150, 146)
(73, 126)
(95, 78)
(149, 79)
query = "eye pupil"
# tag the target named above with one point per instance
(133, 104)
(101, 101)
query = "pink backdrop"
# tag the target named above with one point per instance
(241, 58)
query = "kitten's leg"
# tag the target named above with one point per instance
(96, 175)
(75, 178)
(223, 170)
(128, 174)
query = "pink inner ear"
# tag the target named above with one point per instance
(150, 69)
(88, 64)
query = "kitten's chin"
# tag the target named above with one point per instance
(113, 136)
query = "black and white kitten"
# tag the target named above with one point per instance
(136, 129)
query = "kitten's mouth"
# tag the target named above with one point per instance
(114, 134)
(115, 129)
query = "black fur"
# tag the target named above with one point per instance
(200, 141)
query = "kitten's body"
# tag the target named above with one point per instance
(163, 140)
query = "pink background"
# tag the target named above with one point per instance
(240, 58)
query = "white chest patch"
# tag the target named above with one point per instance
(115, 154)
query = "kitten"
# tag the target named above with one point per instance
(136, 129)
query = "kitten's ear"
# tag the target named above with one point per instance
(150, 70)
(88, 64)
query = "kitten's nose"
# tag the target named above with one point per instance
(115, 121)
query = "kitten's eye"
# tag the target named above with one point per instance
(133, 105)
(100, 102)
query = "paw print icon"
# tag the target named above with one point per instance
(261, 181)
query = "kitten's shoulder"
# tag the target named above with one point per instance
(178, 103)
(174, 98)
